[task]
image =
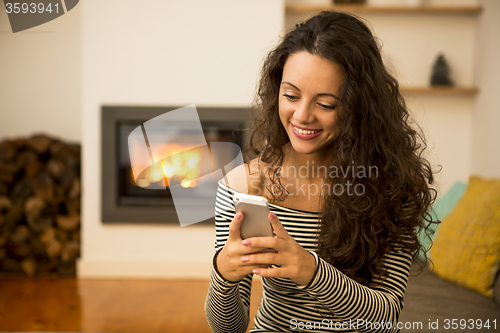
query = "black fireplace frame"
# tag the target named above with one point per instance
(112, 211)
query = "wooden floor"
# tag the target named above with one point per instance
(88, 305)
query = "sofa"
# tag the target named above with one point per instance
(459, 289)
(430, 299)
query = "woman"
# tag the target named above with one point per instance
(348, 187)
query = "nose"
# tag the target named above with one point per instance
(303, 114)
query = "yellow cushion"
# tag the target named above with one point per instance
(467, 247)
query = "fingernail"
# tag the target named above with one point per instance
(246, 241)
(245, 259)
(256, 271)
(273, 215)
(238, 215)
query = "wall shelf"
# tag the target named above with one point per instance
(446, 10)
(428, 90)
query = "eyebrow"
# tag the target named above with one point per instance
(321, 94)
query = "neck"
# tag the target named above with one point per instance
(310, 166)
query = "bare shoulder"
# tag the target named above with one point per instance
(246, 178)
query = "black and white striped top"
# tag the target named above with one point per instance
(331, 302)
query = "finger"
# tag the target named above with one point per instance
(268, 272)
(256, 244)
(234, 227)
(263, 259)
(278, 228)
(247, 250)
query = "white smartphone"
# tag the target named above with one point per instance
(255, 221)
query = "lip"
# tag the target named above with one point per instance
(305, 136)
(304, 128)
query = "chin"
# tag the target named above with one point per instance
(302, 149)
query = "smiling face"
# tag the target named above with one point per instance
(309, 102)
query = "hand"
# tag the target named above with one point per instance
(229, 263)
(295, 262)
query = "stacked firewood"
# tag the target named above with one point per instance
(39, 206)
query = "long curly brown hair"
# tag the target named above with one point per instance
(375, 131)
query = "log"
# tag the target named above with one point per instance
(67, 177)
(4, 238)
(53, 248)
(28, 265)
(68, 223)
(19, 251)
(7, 151)
(33, 169)
(37, 247)
(67, 269)
(55, 168)
(39, 143)
(59, 195)
(5, 205)
(22, 190)
(25, 158)
(4, 189)
(57, 149)
(48, 236)
(11, 265)
(73, 206)
(14, 215)
(19, 144)
(33, 207)
(8, 172)
(43, 186)
(40, 224)
(74, 190)
(70, 153)
(48, 265)
(20, 235)
(52, 209)
(75, 235)
(52, 245)
(70, 251)
(62, 236)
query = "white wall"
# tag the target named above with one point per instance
(486, 121)
(162, 53)
(40, 78)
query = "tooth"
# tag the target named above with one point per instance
(301, 131)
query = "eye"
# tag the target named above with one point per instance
(327, 107)
(290, 97)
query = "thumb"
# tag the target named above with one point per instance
(234, 227)
(278, 228)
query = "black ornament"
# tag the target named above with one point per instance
(441, 72)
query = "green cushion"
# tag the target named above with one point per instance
(441, 208)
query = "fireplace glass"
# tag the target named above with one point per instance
(146, 197)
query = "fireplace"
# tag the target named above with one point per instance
(130, 196)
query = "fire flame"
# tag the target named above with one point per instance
(182, 163)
